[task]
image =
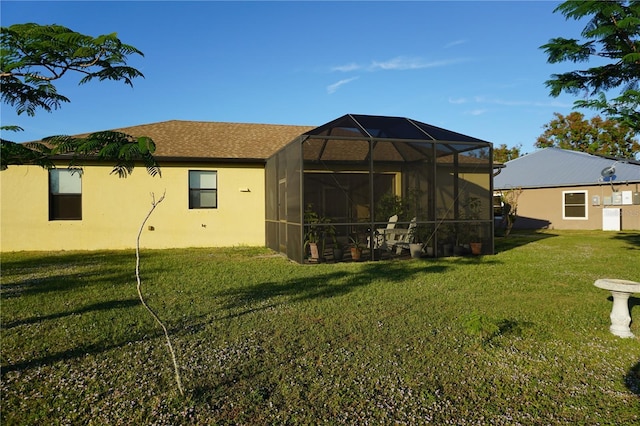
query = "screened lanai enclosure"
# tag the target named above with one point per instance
(379, 185)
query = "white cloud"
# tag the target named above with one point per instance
(504, 102)
(497, 101)
(333, 87)
(402, 63)
(483, 101)
(458, 100)
(555, 104)
(346, 68)
(399, 63)
(454, 43)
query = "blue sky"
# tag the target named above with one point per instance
(471, 67)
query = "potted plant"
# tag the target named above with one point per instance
(356, 246)
(476, 247)
(338, 252)
(314, 238)
(415, 249)
(420, 236)
(473, 209)
(446, 239)
(311, 240)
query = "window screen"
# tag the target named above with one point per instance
(203, 189)
(65, 194)
(574, 205)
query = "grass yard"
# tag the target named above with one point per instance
(516, 338)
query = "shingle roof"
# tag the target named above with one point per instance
(216, 140)
(204, 140)
(552, 167)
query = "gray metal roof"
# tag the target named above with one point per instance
(551, 167)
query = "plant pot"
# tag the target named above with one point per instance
(315, 254)
(416, 250)
(429, 250)
(337, 254)
(376, 254)
(476, 248)
(356, 253)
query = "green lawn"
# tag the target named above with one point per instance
(516, 338)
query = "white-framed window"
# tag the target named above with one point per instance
(203, 189)
(498, 205)
(65, 194)
(574, 205)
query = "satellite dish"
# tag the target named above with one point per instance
(608, 171)
(608, 174)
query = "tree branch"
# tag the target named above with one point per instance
(154, 204)
(93, 62)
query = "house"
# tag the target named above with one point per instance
(231, 184)
(212, 178)
(564, 189)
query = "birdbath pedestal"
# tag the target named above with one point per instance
(620, 290)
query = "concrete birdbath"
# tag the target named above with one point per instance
(620, 290)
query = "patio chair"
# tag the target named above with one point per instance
(402, 237)
(380, 237)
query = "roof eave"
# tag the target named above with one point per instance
(171, 159)
(566, 185)
(201, 160)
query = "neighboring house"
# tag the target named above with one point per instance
(229, 184)
(564, 189)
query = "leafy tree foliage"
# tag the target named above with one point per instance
(594, 136)
(502, 153)
(510, 208)
(612, 33)
(32, 57)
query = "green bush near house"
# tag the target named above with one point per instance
(516, 338)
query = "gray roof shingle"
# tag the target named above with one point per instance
(553, 167)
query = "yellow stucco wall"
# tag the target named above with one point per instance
(114, 208)
(545, 205)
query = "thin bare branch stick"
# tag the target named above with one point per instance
(154, 203)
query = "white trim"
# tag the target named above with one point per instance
(586, 205)
(493, 205)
